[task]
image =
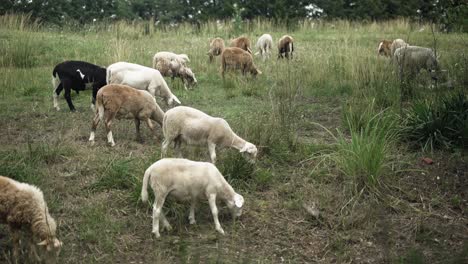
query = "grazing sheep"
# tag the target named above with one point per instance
(411, 59)
(237, 58)
(242, 43)
(286, 47)
(192, 126)
(264, 46)
(216, 48)
(142, 78)
(188, 180)
(121, 101)
(75, 75)
(22, 207)
(175, 69)
(397, 43)
(384, 48)
(182, 58)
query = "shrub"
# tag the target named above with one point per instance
(439, 123)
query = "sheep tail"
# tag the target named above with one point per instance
(100, 106)
(108, 75)
(291, 47)
(144, 188)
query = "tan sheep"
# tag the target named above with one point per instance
(237, 58)
(173, 69)
(22, 206)
(216, 48)
(243, 43)
(286, 47)
(121, 101)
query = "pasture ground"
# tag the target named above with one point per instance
(418, 215)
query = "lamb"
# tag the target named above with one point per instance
(216, 48)
(397, 43)
(142, 78)
(242, 43)
(384, 48)
(115, 100)
(237, 58)
(192, 126)
(411, 59)
(22, 206)
(176, 69)
(286, 47)
(264, 46)
(188, 180)
(182, 58)
(75, 75)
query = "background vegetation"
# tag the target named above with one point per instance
(339, 176)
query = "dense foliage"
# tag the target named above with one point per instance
(452, 14)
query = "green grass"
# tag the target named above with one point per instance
(336, 80)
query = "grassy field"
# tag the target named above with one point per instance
(331, 126)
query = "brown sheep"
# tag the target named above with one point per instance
(238, 59)
(286, 47)
(216, 48)
(384, 48)
(122, 101)
(243, 43)
(22, 206)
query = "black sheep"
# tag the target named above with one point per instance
(75, 75)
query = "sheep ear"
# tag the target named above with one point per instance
(238, 200)
(176, 99)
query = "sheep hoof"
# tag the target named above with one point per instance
(156, 234)
(91, 142)
(112, 144)
(221, 231)
(168, 227)
(192, 221)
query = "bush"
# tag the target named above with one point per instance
(441, 123)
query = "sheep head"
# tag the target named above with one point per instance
(251, 150)
(235, 205)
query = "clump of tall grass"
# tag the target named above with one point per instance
(438, 123)
(21, 22)
(19, 52)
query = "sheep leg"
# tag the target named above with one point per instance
(212, 150)
(192, 211)
(214, 212)
(33, 252)
(177, 147)
(165, 146)
(137, 127)
(67, 86)
(164, 221)
(108, 123)
(93, 127)
(157, 209)
(55, 95)
(15, 238)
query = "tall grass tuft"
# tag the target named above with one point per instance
(438, 123)
(19, 52)
(363, 156)
(20, 22)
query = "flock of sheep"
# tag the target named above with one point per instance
(127, 90)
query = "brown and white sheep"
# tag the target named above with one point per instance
(237, 58)
(384, 48)
(22, 207)
(174, 69)
(122, 101)
(216, 48)
(286, 47)
(242, 43)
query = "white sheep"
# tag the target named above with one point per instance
(142, 78)
(117, 101)
(264, 46)
(188, 180)
(396, 44)
(192, 126)
(22, 207)
(182, 58)
(174, 69)
(411, 59)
